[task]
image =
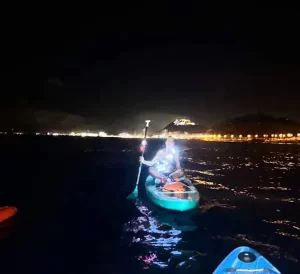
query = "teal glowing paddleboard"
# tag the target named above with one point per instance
(246, 260)
(182, 201)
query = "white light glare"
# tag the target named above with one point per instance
(144, 142)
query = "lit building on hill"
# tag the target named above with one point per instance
(183, 122)
(179, 127)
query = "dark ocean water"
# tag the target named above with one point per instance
(73, 216)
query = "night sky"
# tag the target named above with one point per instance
(113, 69)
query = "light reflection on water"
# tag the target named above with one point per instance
(266, 167)
(153, 234)
(248, 197)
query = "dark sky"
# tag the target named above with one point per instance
(112, 70)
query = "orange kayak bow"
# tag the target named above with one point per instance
(7, 212)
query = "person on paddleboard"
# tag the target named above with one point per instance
(165, 165)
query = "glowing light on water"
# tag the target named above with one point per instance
(148, 231)
(288, 200)
(278, 222)
(226, 195)
(288, 235)
(201, 182)
(153, 232)
(269, 188)
(196, 162)
(144, 143)
(207, 172)
(206, 207)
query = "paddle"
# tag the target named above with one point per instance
(134, 194)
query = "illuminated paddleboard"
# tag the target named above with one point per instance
(181, 201)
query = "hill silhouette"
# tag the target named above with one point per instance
(257, 124)
(183, 125)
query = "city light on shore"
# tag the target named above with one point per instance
(274, 137)
(125, 135)
(235, 138)
(102, 134)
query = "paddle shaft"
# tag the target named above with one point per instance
(140, 167)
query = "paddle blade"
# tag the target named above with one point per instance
(134, 194)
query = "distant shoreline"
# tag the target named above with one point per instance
(204, 138)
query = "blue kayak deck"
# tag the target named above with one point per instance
(245, 260)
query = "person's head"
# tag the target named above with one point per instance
(170, 142)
